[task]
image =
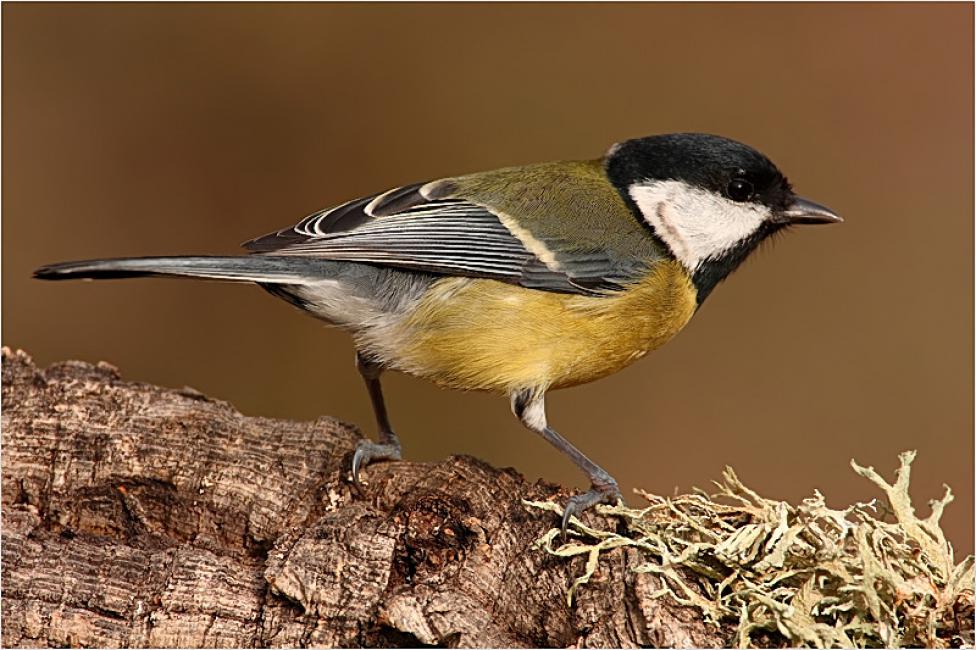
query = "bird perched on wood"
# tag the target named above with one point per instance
(517, 280)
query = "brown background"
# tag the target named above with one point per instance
(161, 129)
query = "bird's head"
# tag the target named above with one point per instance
(709, 199)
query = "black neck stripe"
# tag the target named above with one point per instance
(712, 271)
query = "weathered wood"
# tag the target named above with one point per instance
(135, 515)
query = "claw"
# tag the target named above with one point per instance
(578, 504)
(358, 460)
(367, 451)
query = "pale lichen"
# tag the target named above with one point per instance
(870, 575)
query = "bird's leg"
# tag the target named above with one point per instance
(530, 407)
(388, 448)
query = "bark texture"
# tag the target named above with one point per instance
(135, 515)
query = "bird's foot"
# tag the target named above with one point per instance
(607, 492)
(368, 451)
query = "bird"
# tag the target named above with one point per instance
(518, 280)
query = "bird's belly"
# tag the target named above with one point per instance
(488, 335)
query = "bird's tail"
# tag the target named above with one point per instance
(246, 268)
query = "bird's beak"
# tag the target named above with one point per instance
(804, 211)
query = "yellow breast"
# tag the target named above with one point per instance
(488, 335)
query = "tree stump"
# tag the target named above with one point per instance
(135, 515)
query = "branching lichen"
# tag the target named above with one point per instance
(871, 575)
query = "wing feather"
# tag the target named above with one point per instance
(409, 228)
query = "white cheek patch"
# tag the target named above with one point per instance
(695, 224)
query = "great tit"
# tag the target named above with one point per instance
(517, 280)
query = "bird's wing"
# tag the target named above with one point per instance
(432, 227)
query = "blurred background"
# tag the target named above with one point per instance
(147, 129)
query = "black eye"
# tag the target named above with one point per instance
(740, 189)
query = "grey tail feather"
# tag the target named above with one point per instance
(245, 268)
